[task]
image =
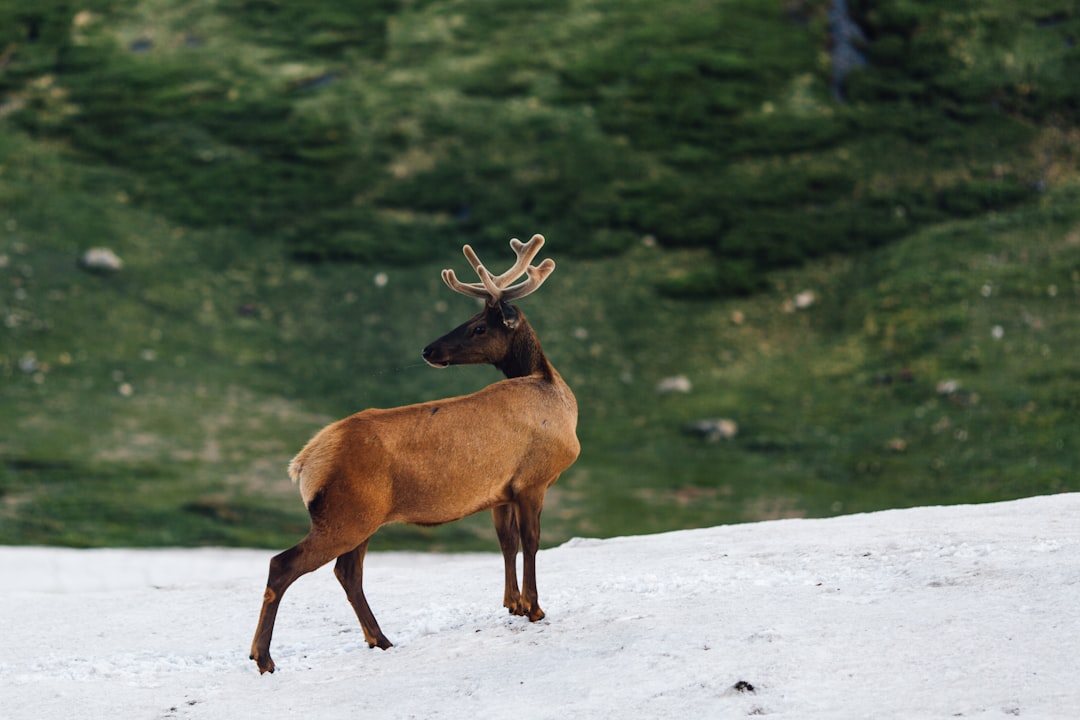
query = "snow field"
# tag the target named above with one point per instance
(969, 612)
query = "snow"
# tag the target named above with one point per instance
(969, 612)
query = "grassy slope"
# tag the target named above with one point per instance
(234, 359)
(159, 405)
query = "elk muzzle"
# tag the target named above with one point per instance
(435, 357)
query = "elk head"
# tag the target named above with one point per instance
(499, 332)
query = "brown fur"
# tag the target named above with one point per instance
(498, 449)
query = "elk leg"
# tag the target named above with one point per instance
(506, 527)
(309, 554)
(349, 570)
(528, 514)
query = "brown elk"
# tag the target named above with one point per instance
(500, 448)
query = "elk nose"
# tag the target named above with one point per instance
(429, 353)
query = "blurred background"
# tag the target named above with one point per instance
(815, 257)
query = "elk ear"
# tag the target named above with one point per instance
(510, 316)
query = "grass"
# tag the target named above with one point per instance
(159, 405)
(283, 273)
(367, 131)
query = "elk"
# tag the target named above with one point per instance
(430, 463)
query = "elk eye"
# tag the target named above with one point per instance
(479, 330)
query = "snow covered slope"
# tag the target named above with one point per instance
(969, 612)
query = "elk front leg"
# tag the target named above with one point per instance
(506, 527)
(528, 514)
(350, 573)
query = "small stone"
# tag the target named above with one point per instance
(102, 260)
(674, 384)
(714, 429)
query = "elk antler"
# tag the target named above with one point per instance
(496, 289)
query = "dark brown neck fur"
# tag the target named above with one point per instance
(526, 357)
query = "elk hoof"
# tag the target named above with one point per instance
(533, 612)
(266, 665)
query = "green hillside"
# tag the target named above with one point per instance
(875, 277)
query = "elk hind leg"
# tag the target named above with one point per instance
(506, 527)
(349, 571)
(309, 554)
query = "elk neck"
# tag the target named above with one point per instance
(525, 356)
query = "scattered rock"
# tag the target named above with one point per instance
(948, 387)
(713, 429)
(28, 363)
(805, 299)
(101, 260)
(802, 301)
(743, 687)
(674, 384)
(897, 445)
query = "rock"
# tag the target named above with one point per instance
(948, 387)
(802, 301)
(101, 260)
(805, 299)
(674, 384)
(713, 429)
